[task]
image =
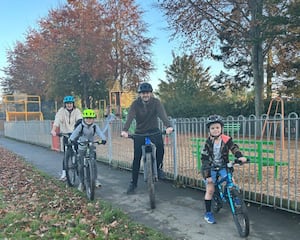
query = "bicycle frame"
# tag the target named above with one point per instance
(64, 135)
(149, 148)
(225, 191)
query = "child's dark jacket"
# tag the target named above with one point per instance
(207, 153)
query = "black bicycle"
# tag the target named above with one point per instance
(226, 191)
(70, 162)
(150, 164)
(89, 167)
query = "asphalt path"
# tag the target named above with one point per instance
(179, 211)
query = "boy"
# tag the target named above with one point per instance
(86, 131)
(216, 152)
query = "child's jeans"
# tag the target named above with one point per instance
(222, 174)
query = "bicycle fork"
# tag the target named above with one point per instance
(150, 148)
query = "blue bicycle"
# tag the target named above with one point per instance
(226, 191)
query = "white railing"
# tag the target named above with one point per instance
(272, 179)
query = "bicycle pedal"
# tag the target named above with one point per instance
(237, 203)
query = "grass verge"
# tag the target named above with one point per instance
(36, 206)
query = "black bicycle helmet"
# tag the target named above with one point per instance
(145, 87)
(214, 119)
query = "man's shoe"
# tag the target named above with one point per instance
(80, 187)
(131, 188)
(161, 174)
(209, 217)
(98, 183)
(63, 176)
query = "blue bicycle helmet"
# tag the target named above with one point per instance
(69, 99)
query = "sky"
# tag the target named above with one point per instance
(17, 16)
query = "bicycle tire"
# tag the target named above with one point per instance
(89, 178)
(216, 202)
(150, 181)
(65, 159)
(240, 214)
(71, 168)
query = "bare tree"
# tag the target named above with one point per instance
(243, 27)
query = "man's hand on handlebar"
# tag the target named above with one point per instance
(169, 130)
(124, 134)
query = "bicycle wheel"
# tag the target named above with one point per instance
(216, 202)
(65, 159)
(240, 213)
(150, 181)
(89, 178)
(71, 167)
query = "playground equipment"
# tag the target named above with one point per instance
(101, 111)
(119, 100)
(22, 107)
(275, 121)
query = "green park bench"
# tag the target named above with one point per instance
(231, 128)
(260, 152)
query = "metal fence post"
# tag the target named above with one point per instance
(110, 150)
(175, 149)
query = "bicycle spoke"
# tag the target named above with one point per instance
(89, 178)
(240, 214)
(71, 168)
(150, 181)
(216, 201)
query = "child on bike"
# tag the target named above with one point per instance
(86, 131)
(216, 152)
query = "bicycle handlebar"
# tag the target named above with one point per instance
(133, 135)
(237, 161)
(63, 134)
(230, 164)
(86, 142)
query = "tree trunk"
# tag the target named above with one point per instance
(269, 76)
(257, 54)
(85, 89)
(258, 74)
